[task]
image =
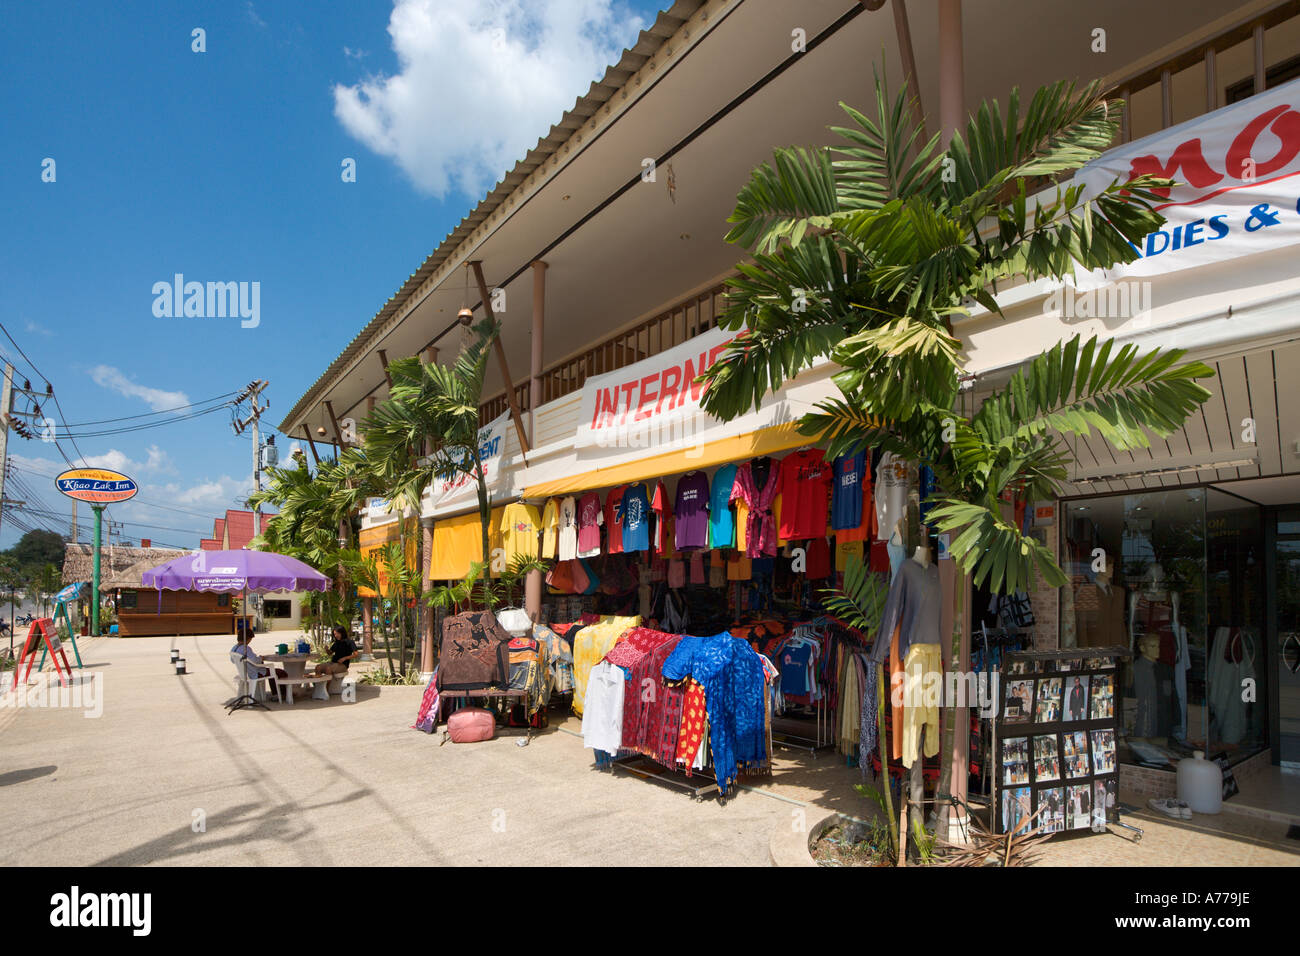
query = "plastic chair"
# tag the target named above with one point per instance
(247, 685)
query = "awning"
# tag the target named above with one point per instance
(765, 441)
(458, 542)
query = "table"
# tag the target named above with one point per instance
(295, 666)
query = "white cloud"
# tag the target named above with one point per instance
(252, 15)
(352, 54)
(36, 328)
(479, 81)
(109, 377)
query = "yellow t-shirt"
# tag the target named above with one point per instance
(550, 527)
(519, 527)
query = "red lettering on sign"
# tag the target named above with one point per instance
(643, 410)
(1286, 126)
(1188, 157)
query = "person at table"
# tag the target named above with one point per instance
(341, 651)
(256, 667)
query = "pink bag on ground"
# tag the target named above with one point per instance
(471, 724)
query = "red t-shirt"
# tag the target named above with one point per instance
(805, 493)
(614, 520)
(589, 522)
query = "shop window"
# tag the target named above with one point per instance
(128, 601)
(1176, 579)
(277, 609)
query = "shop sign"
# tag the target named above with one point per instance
(1044, 514)
(458, 485)
(644, 403)
(96, 485)
(1237, 191)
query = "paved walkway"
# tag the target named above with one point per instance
(162, 775)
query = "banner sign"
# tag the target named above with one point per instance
(96, 485)
(458, 485)
(656, 397)
(1238, 183)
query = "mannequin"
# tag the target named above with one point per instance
(1153, 635)
(1100, 611)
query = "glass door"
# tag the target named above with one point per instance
(1287, 635)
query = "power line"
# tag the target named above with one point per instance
(160, 411)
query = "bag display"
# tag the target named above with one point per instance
(470, 725)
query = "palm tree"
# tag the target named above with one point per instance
(863, 253)
(435, 407)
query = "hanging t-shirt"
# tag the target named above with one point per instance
(590, 518)
(805, 490)
(659, 505)
(614, 520)
(926, 486)
(846, 495)
(550, 527)
(891, 494)
(691, 515)
(519, 527)
(636, 518)
(818, 559)
(722, 525)
(568, 547)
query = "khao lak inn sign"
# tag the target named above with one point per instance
(98, 486)
(1237, 183)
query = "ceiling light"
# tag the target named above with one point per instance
(565, 198)
(686, 235)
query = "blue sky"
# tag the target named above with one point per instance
(225, 166)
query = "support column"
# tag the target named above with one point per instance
(94, 591)
(533, 583)
(367, 614)
(428, 658)
(538, 338)
(952, 72)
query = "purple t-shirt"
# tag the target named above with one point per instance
(691, 514)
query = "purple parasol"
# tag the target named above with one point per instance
(242, 570)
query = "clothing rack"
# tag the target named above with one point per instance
(699, 785)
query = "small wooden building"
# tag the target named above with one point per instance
(138, 615)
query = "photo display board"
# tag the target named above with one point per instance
(1055, 737)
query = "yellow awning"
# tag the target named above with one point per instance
(765, 441)
(458, 542)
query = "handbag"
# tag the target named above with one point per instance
(470, 725)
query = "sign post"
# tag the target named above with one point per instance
(100, 487)
(41, 632)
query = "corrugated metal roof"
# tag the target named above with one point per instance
(648, 44)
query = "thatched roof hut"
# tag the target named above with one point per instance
(119, 567)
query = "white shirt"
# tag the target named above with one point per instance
(891, 494)
(568, 546)
(602, 708)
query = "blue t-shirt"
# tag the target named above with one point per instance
(794, 669)
(636, 519)
(722, 523)
(846, 493)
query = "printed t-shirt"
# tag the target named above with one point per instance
(614, 520)
(590, 518)
(568, 547)
(519, 525)
(891, 494)
(691, 514)
(550, 527)
(853, 511)
(805, 489)
(722, 526)
(636, 518)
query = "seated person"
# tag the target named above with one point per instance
(341, 651)
(255, 667)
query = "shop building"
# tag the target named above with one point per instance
(601, 253)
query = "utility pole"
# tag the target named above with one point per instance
(74, 520)
(6, 407)
(253, 391)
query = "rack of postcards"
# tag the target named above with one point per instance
(1054, 741)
